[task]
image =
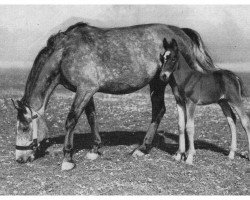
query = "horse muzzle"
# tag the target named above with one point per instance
(26, 153)
(23, 156)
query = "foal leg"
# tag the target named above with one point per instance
(182, 120)
(231, 119)
(91, 116)
(244, 121)
(190, 108)
(82, 97)
(157, 89)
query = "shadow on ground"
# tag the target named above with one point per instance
(167, 142)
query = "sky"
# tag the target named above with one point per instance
(225, 29)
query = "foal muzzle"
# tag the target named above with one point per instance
(164, 76)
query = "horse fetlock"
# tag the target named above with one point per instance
(68, 151)
(191, 152)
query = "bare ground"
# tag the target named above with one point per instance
(123, 122)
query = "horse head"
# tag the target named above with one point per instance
(30, 132)
(169, 59)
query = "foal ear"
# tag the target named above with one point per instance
(165, 44)
(174, 45)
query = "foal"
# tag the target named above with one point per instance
(192, 88)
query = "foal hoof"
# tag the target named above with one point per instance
(67, 165)
(177, 157)
(91, 156)
(137, 152)
(231, 155)
(189, 161)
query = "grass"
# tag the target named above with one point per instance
(123, 121)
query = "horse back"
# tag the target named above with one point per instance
(128, 56)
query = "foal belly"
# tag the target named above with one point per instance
(207, 94)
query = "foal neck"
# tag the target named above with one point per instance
(183, 71)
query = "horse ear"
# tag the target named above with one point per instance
(161, 58)
(165, 44)
(15, 104)
(174, 45)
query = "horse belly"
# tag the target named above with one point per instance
(125, 80)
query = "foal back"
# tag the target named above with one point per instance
(212, 87)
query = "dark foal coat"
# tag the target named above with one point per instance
(208, 88)
(192, 88)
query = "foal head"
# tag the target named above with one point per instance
(31, 130)
(169, 59)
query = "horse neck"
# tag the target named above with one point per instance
(42, 80)
(183, 71)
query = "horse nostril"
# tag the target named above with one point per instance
(20, 160)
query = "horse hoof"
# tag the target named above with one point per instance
(137, 152)
(91, 156)
(67, 166)
(177, 157)
(231, 156)
(189, 162)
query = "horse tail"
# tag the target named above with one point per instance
(242, 89)
(200, 50)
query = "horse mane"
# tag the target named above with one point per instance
(54, 41)
(56, 38)
(77, 25)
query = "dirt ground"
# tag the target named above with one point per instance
(123, 122)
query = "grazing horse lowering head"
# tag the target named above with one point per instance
(31, 130)
(169, 59)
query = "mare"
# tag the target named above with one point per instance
(191, 88)
(87, 59)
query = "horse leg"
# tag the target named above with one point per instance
(181, 123)
(91, 116)
(244, 121)
(157, 89)
(82, 97)
(231, 119)
(190, 108)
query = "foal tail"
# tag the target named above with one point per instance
(200, 50)
(242, 89)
